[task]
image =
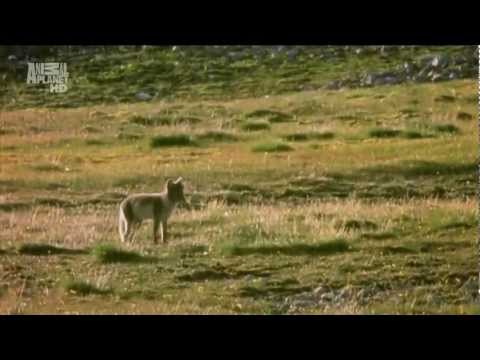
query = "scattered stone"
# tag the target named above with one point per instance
(324, 297)
(439, 61)
(333, 85)
(431, 68)
(471, 287)
(292, 54)
(143, 96)
(436, 77)
(328, 297)
(235, 56)
(320, 290)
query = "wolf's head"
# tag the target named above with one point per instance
(175, 190)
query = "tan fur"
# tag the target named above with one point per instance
(156, 206)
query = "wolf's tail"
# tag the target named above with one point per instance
(122, 223)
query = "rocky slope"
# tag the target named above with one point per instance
(118, 74)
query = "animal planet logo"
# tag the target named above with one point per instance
(51, 73)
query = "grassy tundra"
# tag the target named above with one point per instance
(356, 201)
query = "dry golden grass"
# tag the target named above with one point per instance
(61, 193)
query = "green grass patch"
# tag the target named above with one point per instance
(270, 115)
(384, 133)
(91, 129)
(378, 235)
(129, 136)
(414, 168)
(107, 254)
(398, 249)
(217, 136)
(464, 116)
(96, 142)
(457, 225)
(255, 125)
(412, 134)
(47, 167)
(300, 136)
(272, 147)
(445, 98)
(294, 249)
(447, 128)
(172, 140)
(45, 249)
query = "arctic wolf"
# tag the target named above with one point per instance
(157, 206)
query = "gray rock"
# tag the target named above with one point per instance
(392, 49)
(327, 297)
(249, 277)
(362, 294)
(307, 87)
(143, 96)
(423, 73)
(387, 80)
(366, 292)
(439, 61)
(303, 303)
(434, 61)
(292, 54)
(345, 293)
(380, 79)
(471, 287)
(368, 80)
(437, 77)
(437, 67)
(407, 67)
(459, 60)
(452, 75)
(235, 56)
(320, 290)
(333, 85)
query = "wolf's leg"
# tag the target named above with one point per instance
(128, 231)
(134, 229)
(131, 227)
(156, 225)
(121, 228)
(164, 232)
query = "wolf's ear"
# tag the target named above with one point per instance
(169, 183)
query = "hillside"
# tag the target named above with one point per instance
(111, 75)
